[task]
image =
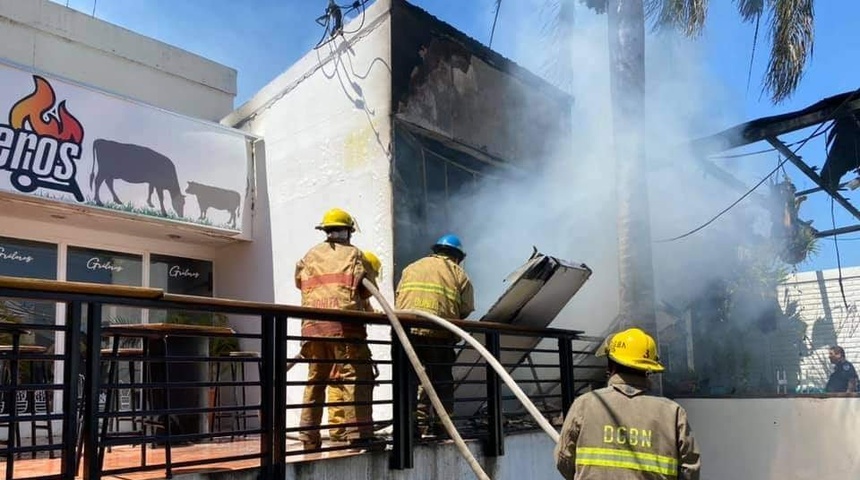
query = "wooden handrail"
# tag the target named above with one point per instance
(32, 284)
(294, 311)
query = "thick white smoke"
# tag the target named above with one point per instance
(565, 206)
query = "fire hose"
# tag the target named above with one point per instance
(428, 386)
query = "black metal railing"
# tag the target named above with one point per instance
(138, 396)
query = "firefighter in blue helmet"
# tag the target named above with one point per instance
(437, 284)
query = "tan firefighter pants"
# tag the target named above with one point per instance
(342, 362)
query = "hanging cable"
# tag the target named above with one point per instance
(818, 131)
(715, 217)
(838, 256)
(332, 21)
(495, 19)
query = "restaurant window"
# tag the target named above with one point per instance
(27, 259)
(183, 276)
(108, 268)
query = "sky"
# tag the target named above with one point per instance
(262, 38)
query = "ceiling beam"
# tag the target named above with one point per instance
(806, 169)
(760, 129)
(837, 231)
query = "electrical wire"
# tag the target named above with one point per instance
(723, 211)
(838, 256)
(495, 19)
(345, 10)
(749, 192)
(741, 155)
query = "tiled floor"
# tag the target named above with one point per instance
(130, 456)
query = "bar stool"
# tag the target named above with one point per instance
(236, 362)
(15, 331)
(123, 402)
(138, 415)
(29, 402)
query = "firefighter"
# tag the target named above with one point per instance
(619, 431)
(330, 276)
(364, 391)
(436, 284)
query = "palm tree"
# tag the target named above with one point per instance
(791, 39)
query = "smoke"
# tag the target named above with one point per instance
(565, 204)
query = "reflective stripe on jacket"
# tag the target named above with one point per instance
(329, 276)
(438, 285)
(621, 433)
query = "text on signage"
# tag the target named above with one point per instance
(96, 264)
(14, 256)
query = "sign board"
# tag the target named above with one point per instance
(73, 144)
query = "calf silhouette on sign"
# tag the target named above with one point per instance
(135, 164)
(217, 198)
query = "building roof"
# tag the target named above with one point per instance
(759, 129)
(483, 52)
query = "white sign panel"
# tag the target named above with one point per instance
(72, 144)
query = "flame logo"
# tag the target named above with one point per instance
(36, 110)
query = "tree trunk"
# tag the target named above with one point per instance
(627, 71)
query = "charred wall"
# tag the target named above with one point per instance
(460, 112)
(452, 85)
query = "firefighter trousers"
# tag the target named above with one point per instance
(342, 363)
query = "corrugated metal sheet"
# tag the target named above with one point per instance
(538, 291)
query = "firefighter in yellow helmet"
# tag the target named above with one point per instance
(363, 391)
(330, 276)
(436, 284)
(620, 432)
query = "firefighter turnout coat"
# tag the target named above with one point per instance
(438, 285)
(621, 433)
(329, 276)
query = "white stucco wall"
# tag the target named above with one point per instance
(49, 37)
(327, 139)
(796, 438)
(827, 321)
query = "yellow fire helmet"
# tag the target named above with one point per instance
(633, 348)
(336, 218)
(374, 262)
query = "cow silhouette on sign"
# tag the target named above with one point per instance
(217, 198)
(135, 164)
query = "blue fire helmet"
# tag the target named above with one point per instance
(450, 241)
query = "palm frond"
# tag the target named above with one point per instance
(686, 16)
(750, 10)
(792, 35)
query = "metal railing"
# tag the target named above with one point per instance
(149, 376)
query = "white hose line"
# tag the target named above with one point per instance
(425, 382)
(544, 424)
